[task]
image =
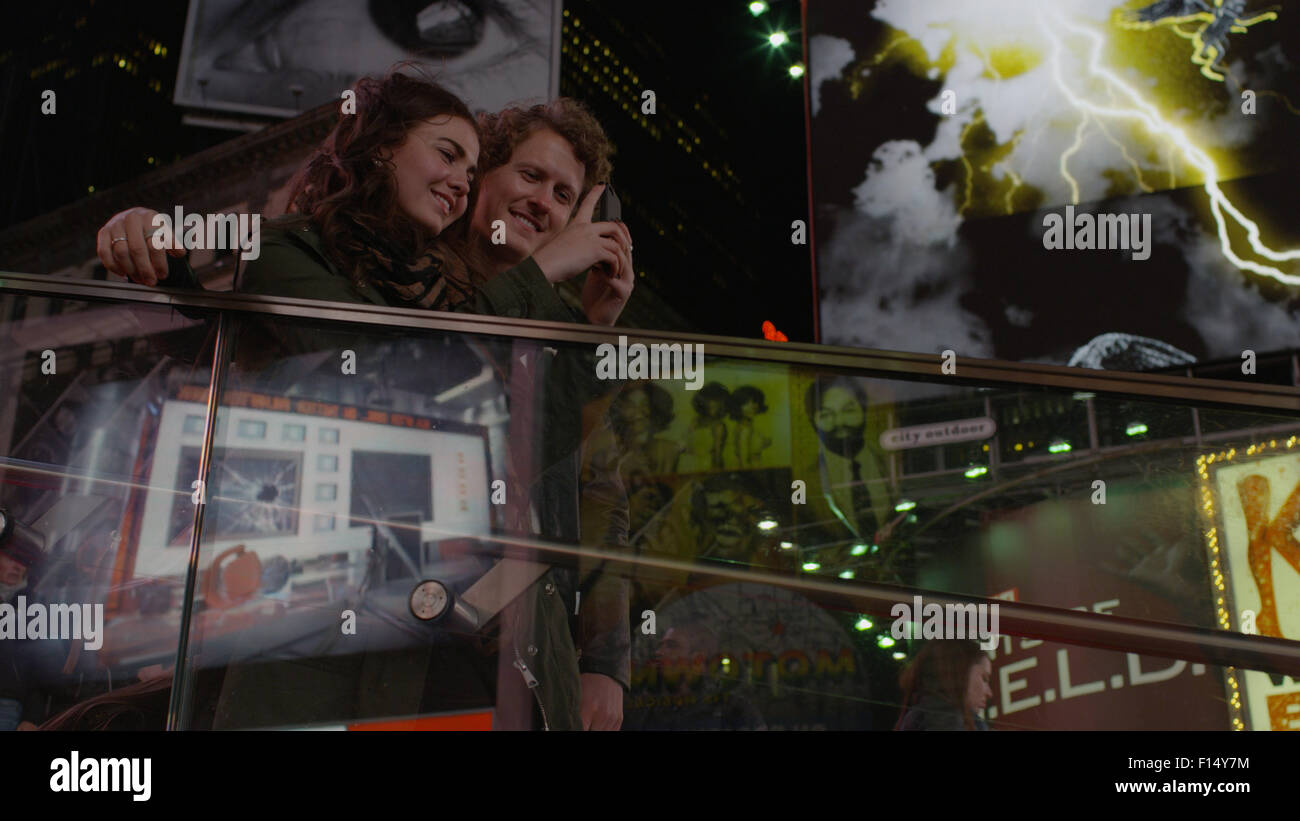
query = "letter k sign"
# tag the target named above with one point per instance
(1265, 537)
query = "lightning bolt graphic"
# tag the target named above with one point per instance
(1204, 54)
(1134, 107)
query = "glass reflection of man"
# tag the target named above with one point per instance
(846, 466)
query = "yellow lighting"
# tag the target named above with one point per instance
(1135, 107)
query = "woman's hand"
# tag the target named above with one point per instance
(125, 246)
(584, 243)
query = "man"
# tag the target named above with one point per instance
(840, 480)
(540, 172)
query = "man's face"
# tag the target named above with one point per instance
(673, 648)
(733, 517)
(534, 194)
(841, 422)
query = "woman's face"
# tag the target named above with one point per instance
(434, 168)
(978, 691)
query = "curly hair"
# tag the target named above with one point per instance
(743, 395)
(659, 400)
(347, 183)
(712, 392)
(504, 131)
(812, 398)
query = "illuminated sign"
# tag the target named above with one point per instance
(1253, 506)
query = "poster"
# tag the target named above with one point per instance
(746, 657)
(1255, 495)
(977, 168)
(283, 57)
(1139, 556)
(307, 480)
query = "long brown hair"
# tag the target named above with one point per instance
(138, 706)
(347, 183)
(943, 669)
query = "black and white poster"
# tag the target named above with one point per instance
(282, 57)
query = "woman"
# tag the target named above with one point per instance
(945, 687)
(744, 406)
(709, 427)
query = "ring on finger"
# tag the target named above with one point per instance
(118, 239)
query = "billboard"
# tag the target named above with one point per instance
(301, 479)
(1136, 556)
(1091, 182)
(282, 57)
(1252, 499)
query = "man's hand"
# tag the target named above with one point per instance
(605, 294)
(134, 257)
(584, 243)
(602, 702)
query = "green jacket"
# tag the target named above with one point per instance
(554, 646)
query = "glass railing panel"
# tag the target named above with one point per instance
(709, 539)
(81, 488)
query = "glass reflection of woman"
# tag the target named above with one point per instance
(709, 428)
(746, 403)
(945, 687)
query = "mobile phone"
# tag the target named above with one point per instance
(608, 208)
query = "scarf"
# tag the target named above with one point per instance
(439, 281)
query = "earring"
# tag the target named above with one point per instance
(376, 162)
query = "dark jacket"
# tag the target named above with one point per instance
(932, 712)
(554, 645)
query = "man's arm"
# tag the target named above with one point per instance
(521, 293)
(604, 635)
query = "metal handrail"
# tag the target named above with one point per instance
(969, 371)
(1223, 648)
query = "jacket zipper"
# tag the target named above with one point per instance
(532, 683)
